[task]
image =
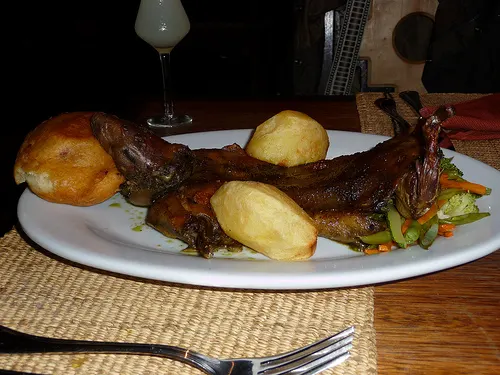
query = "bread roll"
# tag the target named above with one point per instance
(289, 138)
(62, 162)
(262, 217)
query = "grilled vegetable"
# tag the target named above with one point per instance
(377, 238)
(465, 219)
(395, 224)
(457, 205)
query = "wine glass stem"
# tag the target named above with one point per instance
(168, 102)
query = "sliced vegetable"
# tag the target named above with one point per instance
(430, 233)
(450, 169)
(455, 205)
(446, 227)
(429, 214)
(385, 247)
(394, 219)
(459, 204)
(406, 225)
(448, 193)
(465, 219)
(413, 232)
(446, 230)
(441, 202)
(377, 238)
(464, 185)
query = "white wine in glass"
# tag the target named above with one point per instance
(162, 24)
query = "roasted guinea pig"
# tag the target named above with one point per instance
(341, 195)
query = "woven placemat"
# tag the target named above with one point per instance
(374, 121)
(43, 294)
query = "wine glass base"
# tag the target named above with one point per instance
(176, 124)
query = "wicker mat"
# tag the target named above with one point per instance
(373, 120)
(45, 295)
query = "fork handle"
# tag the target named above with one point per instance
(389, 107)
(12, 341)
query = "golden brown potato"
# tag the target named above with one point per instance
(265, 219)
(289, 138)
(62, 162)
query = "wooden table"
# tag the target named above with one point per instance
(444, 323)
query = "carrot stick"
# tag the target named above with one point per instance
(464, 185)
(371, 251)
(429, 214)
(446, 230)
(446, 227)
(441, 202)
(406, 225)
(385, 247)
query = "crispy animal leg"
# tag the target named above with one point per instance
(182, 181)
(419, 189)
(150, 165)
(365, 180)
(153, 166)
(186, 214)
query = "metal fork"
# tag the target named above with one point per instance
(388, 105)
(308, 360)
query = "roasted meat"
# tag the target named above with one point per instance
(148, 166)
(419, 188)
(340, 194)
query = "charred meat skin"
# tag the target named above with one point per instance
(419, 189)
(364, 180)
(186, 214)
(177, 215)
(340, 194)
(347, 226)
(150, 165)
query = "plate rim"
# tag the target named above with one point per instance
(281, 280)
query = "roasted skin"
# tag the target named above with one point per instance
(148, 166)
(340, 194)
(419, 188)
(347, 226)
(364, 180)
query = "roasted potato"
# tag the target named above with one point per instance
(265, 219)
(289, 138)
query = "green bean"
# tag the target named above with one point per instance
(395, 223)
(429, 233)
(413, 232)
(465, 219)
(377, 238)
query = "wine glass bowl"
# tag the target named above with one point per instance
(163, 24)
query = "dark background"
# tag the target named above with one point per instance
(86, 55)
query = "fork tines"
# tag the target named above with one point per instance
(312, 358)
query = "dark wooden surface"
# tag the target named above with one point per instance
(444, 323)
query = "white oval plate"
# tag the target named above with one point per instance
(112, 236)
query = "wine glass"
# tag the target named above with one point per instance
(162, 24)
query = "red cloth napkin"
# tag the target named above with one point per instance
(474, 119)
